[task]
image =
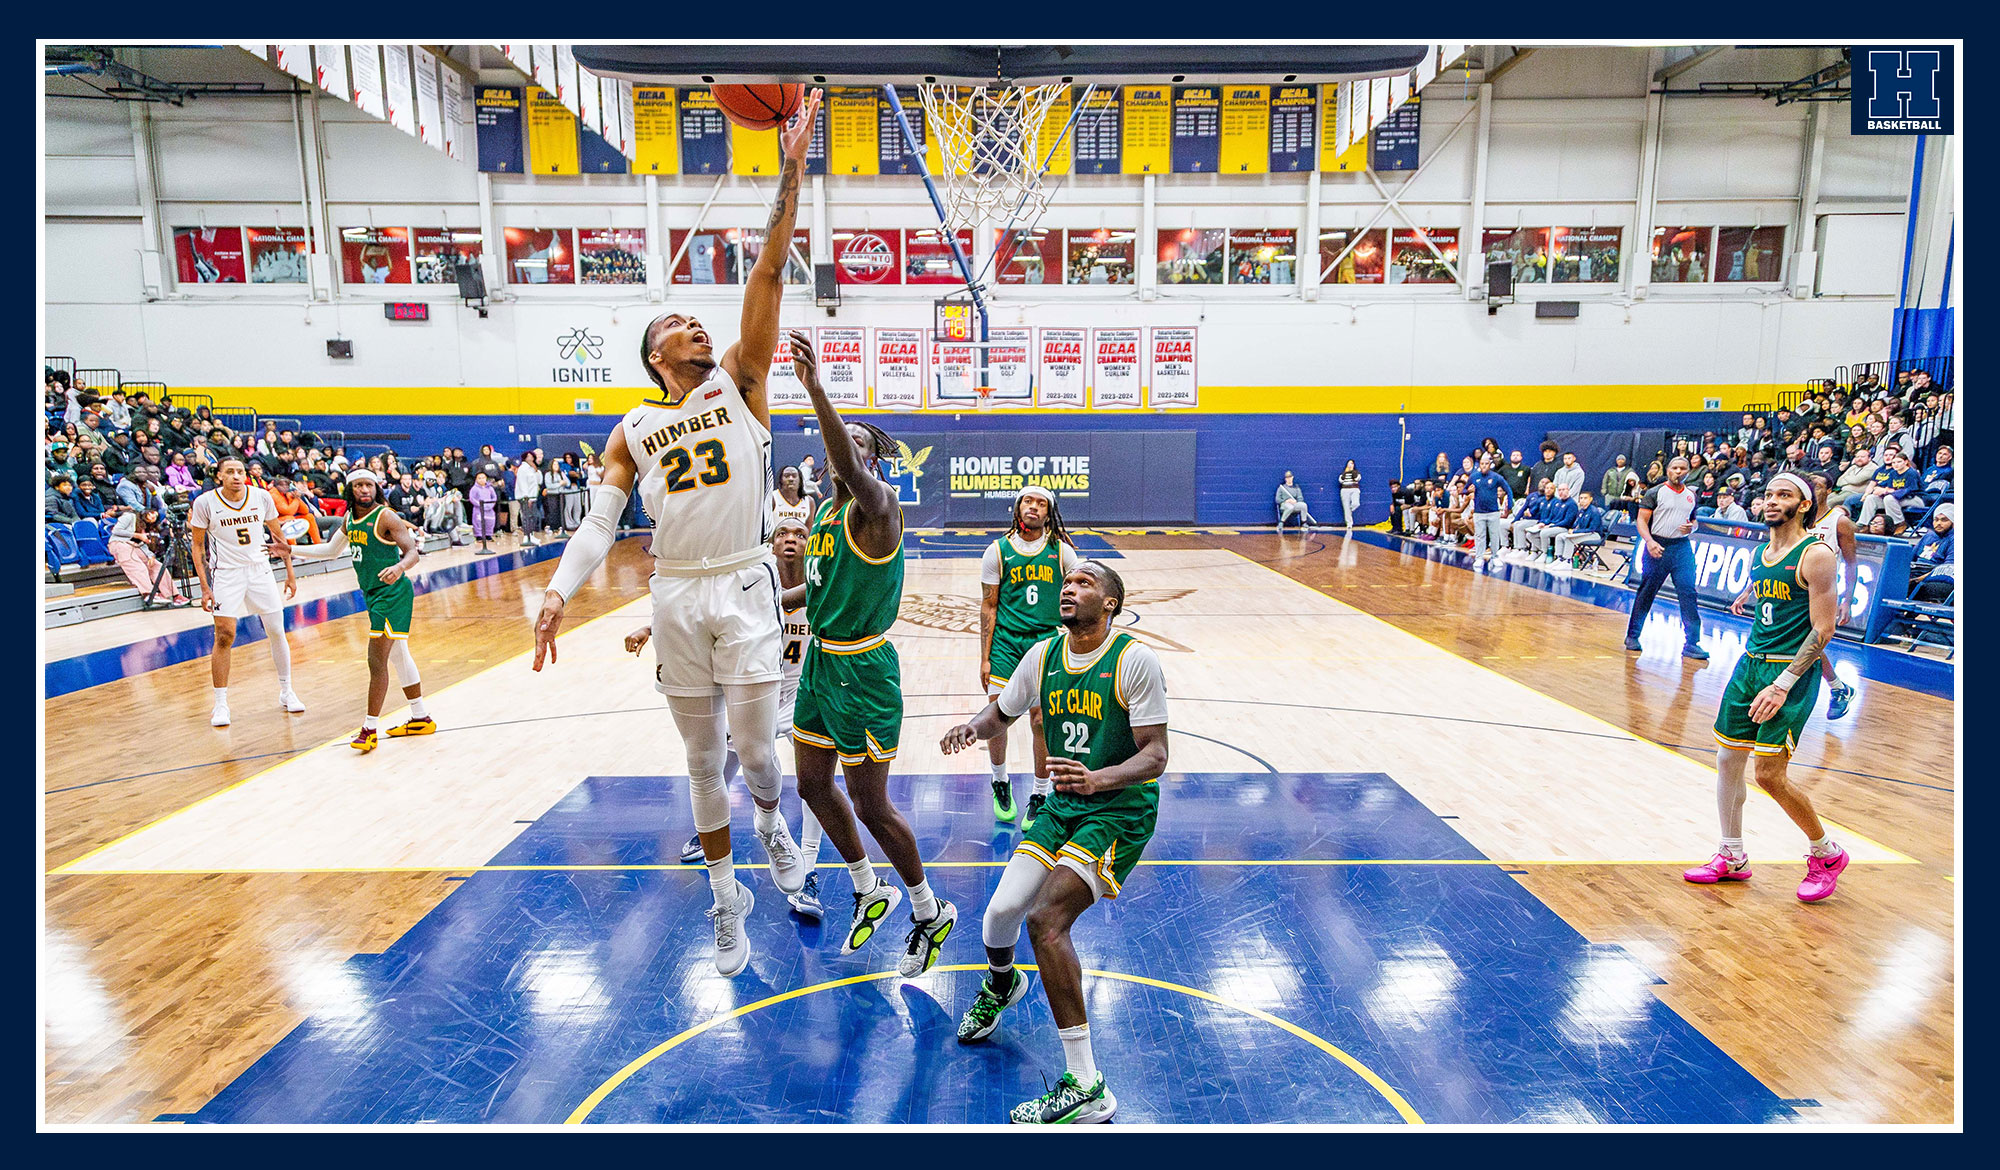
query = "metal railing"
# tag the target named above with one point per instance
(1940, 369)
(66, 365)
(241, 419)
(98, 381)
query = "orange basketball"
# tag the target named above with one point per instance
(760, 107)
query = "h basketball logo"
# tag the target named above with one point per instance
(1903, 91)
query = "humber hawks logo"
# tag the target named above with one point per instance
(1903, 89)
(904, 469)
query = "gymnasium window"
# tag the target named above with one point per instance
(1192, 255)
(1411, 262)
(1365, 263)
(1584, 255)
(374, 255)
(868, 256)
(1526, 248)
(1682, 255)
(1262, 256)
(440, 250)
(1745, 254)
(709, 256)
(1099, 256)
(206, 255)
(927, 256)
(796, 272)
(277, 255)
(1021, 256)
(540, 256)
(611, 255)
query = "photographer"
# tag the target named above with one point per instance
(134, 540)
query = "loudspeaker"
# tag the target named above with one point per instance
(471, 282)
(339, 348)
(826, 288)
(1499, 279)
(1558, 308)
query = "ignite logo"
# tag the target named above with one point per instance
(581, 347)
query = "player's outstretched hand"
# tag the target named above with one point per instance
(547, 624)
(636, 640)
(1071, 776)
(1767, 703)
(958, 739)
(794, 135)
(805, 363)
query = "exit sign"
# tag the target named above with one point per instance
(407, 310)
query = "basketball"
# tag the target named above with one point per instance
(760, 107)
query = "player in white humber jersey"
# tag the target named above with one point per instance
(235, 527)
(1836, 528)
(700, 455)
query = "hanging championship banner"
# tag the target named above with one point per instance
(1057, 144)
(895, 157)
(1246, 130)
(1294, 114)
(1341, 147)
(1098, 137)
(843, 365)
(430, 111)
(782, 387)
(296, 60)
(1393, 145)
(954, 373)
(1010, 367)
(520, 56)
(854, 144)
(1115, 372)
(1173, 381)
(544, 57)
(656, 136)
(569, 89)
(330, 69)
(816, 146)
(496, 119)
(590, 104)
(450, 89)
(1147, 111)
(704, 133)
(1197, 129)
(552, 146)
(899, 369)
(400, 99)
(364, 79)
(627, 130)
(1060, 354)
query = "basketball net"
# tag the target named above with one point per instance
(985, 396)
(992, 146)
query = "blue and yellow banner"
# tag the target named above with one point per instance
(1246, 130)
(704, 133)
(1197, 130)
(1098, 139)
(497, 121)
(1147, 145)
(552, 145)
(656, 136)
(854, 145)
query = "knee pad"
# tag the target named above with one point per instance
(1012, 899)
(700, 723)
(406, 666)
(753, 726)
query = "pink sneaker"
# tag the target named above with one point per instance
(1720, 868)
(1822, 874)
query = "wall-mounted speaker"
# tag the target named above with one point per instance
(339, 347)
(1557, 308)
(1499, 279)
(826, 287)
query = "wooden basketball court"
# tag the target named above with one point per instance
(1429, 822)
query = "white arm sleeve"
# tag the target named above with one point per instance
(989, 564)
(332, 550)
(1020, 692)
(1144, 686)
(1069, 557)
(587, 549)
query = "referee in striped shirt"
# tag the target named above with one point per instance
(1666, 520)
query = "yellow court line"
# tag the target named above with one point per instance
(1275, 863)
(597, 1096)
(1899, 855)
(68, 866)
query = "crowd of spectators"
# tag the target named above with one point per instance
(132, 465)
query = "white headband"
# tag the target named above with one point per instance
(1805, 489)
(1035, 489)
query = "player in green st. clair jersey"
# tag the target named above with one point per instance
(383, 547)
(1103, 700)
(850, 703)
(1792, 605)
(1020, 578)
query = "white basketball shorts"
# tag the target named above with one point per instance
(723, 628)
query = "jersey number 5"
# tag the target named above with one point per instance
(242, 536)
(679, 464)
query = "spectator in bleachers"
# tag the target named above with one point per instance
(1726, 508)
(134, 543)
(179, 475)
(1704, 492)
(1854, 480)
(457, 475)
(59, 461)
(1586, 531)
(57, 506)
(88, 500)
(118, 411)
(1570, 475)
(1893, 485)
(1747, 433)
(1656, 474)
(1937, 478)
(1936, 557)
(1515, 472)
(1619, 485)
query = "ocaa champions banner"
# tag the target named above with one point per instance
(961, 479)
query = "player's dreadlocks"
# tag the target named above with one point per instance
(1054, 526)
(885, 446)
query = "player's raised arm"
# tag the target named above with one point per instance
(872, 496)
(748, 362)
(587, 549)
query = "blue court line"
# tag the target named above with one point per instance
(1925, 675)
(67, 675)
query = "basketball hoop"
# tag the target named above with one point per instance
(985, 397)
(993, 143)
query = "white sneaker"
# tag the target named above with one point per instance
(732, 947)
(290, 702)
(220, 716)
(788, 869)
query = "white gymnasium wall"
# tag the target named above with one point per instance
(1565, 148)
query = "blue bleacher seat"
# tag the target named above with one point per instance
(60, 547)
(91, 546)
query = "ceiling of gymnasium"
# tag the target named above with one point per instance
(1017, 64)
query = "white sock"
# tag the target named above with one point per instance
(1824, 847)
(417, 709)
(370, 722)
(1733, 846)
(765, 819)
(1044, 785)
(863, 873)
(1076, 1051)
(222, 694)
(809, 837)
(722, 879)
(923, 903)
(999, 773)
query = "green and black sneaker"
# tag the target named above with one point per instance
(1035, 804)
(984, 1014)
(1003, 800)
(869, 912)
(1068, 1104)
